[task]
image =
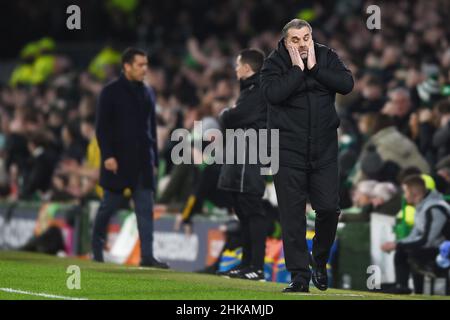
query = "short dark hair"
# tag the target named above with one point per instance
(253, 57)
(407, 172)
(416, 182)
(129, 54)
(296, 24)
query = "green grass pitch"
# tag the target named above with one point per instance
(33, 276)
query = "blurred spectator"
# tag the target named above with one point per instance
(385, 150)
(362, 200)
(38, 173)
(73, 145)
(362, 195)
(386, 199)
(406, 216)
(105, 64)
(422, 128)
(371, 98)
(399, 107)
(414, 253)
(443, 171)
(58, 192)
(441, 138)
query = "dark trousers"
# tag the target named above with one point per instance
(112, 201)
(293, 186)
(408, 262)
(254, 226)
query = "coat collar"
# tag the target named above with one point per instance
(129, 83)
(283, 52)
(129, 87)
(431, 198)
(253, 80)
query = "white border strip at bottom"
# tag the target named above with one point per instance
(44, 295)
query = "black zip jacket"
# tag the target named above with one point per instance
(301, 105)
(250, 113)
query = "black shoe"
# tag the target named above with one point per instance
(252, 274)
(319, 275)
(153, 263)
(296, 286)
(232, 273)
(320, 278)
(235, 272)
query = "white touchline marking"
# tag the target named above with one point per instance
(45, 295)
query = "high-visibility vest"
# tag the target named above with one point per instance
(407, 214)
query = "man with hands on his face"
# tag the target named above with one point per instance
(306, 52)
(299, 81)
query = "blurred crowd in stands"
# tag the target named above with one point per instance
(395, 122)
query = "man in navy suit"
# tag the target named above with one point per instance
(126, 133)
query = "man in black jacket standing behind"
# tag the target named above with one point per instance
(299, 80)
(243, 178)
(126, 133)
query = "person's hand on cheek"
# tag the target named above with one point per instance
(311, 62)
